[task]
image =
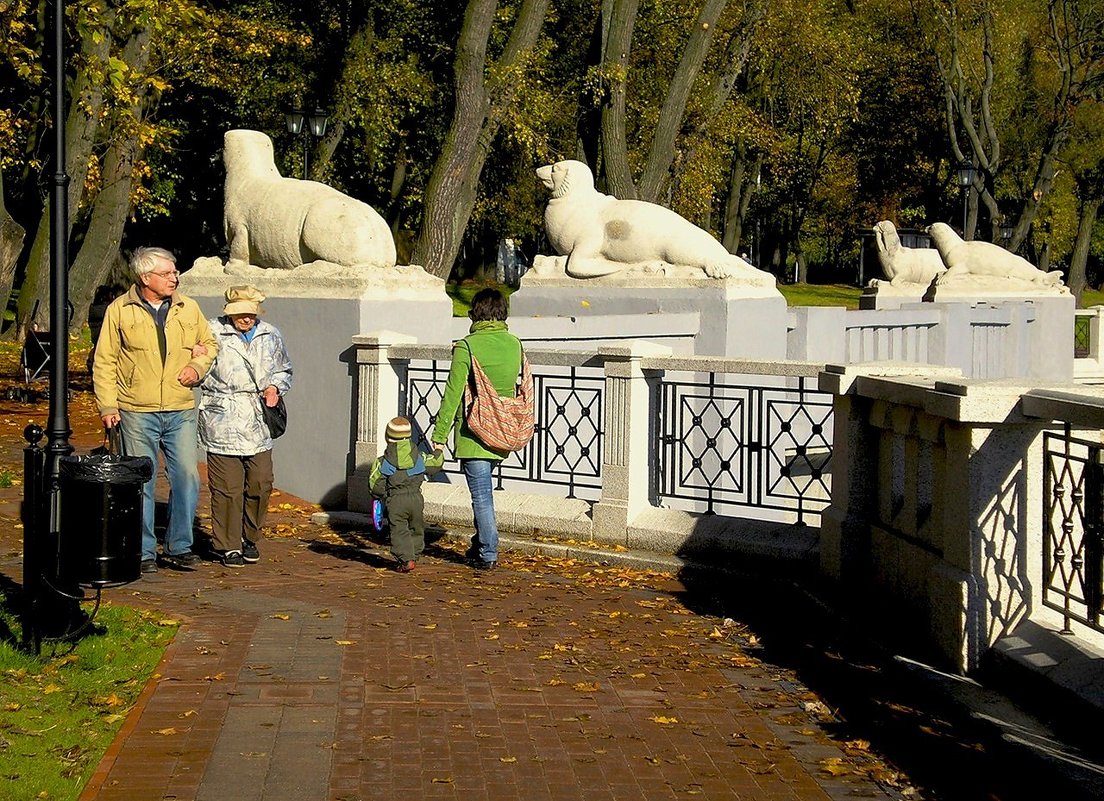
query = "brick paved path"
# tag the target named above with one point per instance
(321, 674)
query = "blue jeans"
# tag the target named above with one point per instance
(478, 474)
(174, 435)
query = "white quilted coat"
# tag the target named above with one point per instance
(230, 419)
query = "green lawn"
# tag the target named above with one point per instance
(821, 295)
(795, 295)
(60, 711)
(1092, 297)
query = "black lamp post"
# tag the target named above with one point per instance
(966, 174)
(58, 429)
(41, 467)
(316, 125)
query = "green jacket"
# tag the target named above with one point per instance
(128, 372)
(499, 353)
(402, 469)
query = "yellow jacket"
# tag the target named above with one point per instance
(128, 373)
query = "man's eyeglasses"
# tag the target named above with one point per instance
(169, 274)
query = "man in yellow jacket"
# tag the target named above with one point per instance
(143, 375)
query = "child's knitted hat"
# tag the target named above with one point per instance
(398, 428)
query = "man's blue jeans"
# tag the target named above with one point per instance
(478, 474)
(174, 435)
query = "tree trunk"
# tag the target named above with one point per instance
(1078, 280)
(81, 127)
(100, 247)
(398, 181)
(733, 219)
(615, 72)
(975, 122)
(477, 116)
(737, 53)
(11, 245)
(740, 192)
(657, 170)
(1056, 139)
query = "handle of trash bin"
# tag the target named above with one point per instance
(113, 441)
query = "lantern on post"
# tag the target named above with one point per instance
(966, 174)
(315, 121)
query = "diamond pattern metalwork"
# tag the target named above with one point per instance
(566, 449)
(724, 444)
(1082, 337)
(1073, 543)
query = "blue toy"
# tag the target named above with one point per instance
(378, 514)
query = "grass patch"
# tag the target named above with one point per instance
(795, 294)
(1092, 297)
(60, 713)
(821, 295)
(462, 293)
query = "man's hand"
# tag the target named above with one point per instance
(199, 349)
(110, 420)
(188, 377)
(438, 447)
(271, 396)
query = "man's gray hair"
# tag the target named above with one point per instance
(144, 260)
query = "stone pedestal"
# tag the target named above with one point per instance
(318, 308)
(992, 290)
(884, 295)
(704, 317)
(1050, 315)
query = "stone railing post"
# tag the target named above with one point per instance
(627, 454)
(845, 524)
(377, 401)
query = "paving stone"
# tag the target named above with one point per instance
(519, 684)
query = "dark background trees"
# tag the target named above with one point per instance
(784, 127)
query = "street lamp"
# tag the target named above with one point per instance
(966, 174)
(1006, 231)
(315, 123)
(42, 466)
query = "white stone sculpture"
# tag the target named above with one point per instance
(279, 222)
(596, 235)
(990, 265)
(902, 265)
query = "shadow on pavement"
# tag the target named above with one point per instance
(884, 700)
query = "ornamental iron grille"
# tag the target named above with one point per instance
(728, 445)
(1082, 336)
(566, 449)
(1073, 545)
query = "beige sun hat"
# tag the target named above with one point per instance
(243, 300)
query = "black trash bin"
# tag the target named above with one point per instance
(100, 520)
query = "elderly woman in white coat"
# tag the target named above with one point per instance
(252, 368)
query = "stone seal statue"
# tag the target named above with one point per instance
(279, 222)
(991, 263)
(903, 265)
(596, 235)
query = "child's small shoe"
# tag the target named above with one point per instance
(405, 567)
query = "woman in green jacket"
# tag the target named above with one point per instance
(499, 354)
